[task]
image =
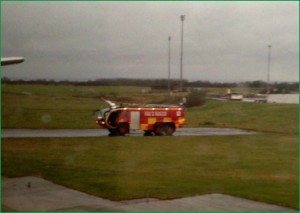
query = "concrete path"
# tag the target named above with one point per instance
(37, 194)
(33, 133)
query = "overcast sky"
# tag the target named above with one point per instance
(223, 41)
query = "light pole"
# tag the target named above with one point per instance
(169, 65)
(269, 67)
(181, 53)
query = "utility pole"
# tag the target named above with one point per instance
(181, 55)
(169, 65)
(269, 67)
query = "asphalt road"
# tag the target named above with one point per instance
(33, 133)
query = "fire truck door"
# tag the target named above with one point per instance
(135, 120)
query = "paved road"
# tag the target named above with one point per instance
(37, 194)
(17, 133)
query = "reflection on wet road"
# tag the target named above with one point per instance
(34, 133)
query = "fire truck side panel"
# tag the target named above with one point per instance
(144, 118)
(150, 117)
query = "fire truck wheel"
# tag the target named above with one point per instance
(169, 129)
(164, 129)
(157, 129)
(112, 132)
(123, 128)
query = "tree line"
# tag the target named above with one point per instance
(162, 84)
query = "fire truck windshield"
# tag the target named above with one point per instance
(103, 113)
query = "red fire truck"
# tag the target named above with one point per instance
(151, 118)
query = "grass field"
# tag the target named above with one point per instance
(72, 106)
(277, 118)
(261, 167)
(50, 106)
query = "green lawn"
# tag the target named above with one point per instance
(71, 91)
(281, 118)
(63, 106)
(72, 106)
(262, 167)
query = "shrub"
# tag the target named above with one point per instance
(196, 97)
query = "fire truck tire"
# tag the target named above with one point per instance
(112, 132)
(123, 128)
(157, 129)
(160, 129)
(169, 129)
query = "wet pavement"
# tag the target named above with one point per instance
(18, 133)
(37, 194)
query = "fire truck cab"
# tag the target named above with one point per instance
(151, 118)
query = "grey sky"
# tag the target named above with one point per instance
(223, 41)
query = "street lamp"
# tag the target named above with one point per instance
(181, 53)
(169, 66)
(269, 67)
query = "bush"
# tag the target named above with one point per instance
(196, 97)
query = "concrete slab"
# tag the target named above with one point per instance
(37, 194)
(210, 202)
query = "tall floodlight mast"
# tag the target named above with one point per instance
(181, 53)
(269, 68)
(169, 64)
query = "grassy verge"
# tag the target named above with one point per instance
(280, 118)
(72, 106)
(262, 167)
